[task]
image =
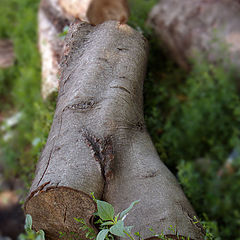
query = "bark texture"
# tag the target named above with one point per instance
(7, 55)
(51, 22)
(190, 27)
(98, 141)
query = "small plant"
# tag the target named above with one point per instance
(64, 32)
(90, 234)
(110, 224)
(31, 234)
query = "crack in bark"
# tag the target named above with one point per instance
(193, 219)
(48, 162)
(65, 215)
(102, 150)
(51, 152)
(122, 49)
(39, 189)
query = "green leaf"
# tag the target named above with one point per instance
(92, 194)
(105, 210)
(118, 229)
(28, 223)
(38, 237)
(116, 217)
(128, 229)
(124, 213)
(21, 237)
(107, 223)
(102, 234)
(41, 234)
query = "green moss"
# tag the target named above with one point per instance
(20, 90)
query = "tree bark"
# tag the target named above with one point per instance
(192, 27)
(51, 22)
(99, 143)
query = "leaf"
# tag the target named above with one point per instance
(107, 223)
(128, 229)
(102, 234)
(124, 212)
(116, 217)
(105, 210)
(38, 237)
(118, 229)
(41, 234)
(92, 194)
(28, 223)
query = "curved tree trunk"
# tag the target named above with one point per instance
(98, 141)
(190, 27)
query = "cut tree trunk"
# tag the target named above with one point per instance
(99, 143)
(192, 27)
(7, 56)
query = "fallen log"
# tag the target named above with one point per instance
(99, 143)
(192, 27)
(51, 23)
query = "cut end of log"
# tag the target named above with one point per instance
(56, 209)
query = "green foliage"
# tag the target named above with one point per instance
(31, 234)
(90, 233)
(139, 14)
(20, 88)
(208, 114)
(195, 126)
(64, 32)
(105, 210)
(109, 224)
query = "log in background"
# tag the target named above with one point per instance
(192, 28)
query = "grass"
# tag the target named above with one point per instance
(20, 90)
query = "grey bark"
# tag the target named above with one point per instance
(99, 143)
(192, 27)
